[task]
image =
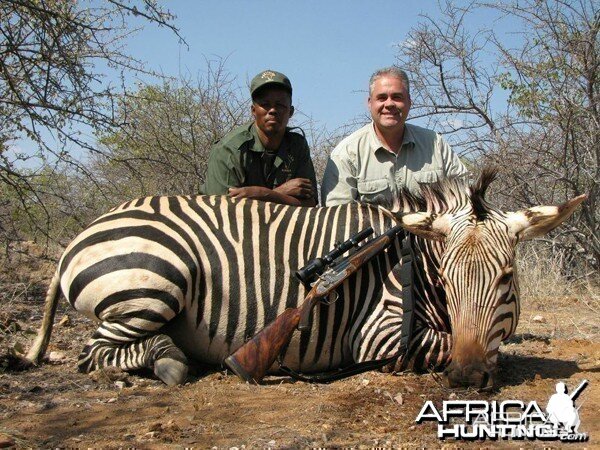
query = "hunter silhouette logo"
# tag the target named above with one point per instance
(509, 419)
(561, 409)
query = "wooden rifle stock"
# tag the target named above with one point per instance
(253, 359)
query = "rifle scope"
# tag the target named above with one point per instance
(317, 266)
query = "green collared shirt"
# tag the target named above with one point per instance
(237, 161)
(361, 168)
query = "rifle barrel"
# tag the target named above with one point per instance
(578, 390)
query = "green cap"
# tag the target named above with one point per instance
(270, 77)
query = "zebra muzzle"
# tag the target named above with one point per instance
(476, 374)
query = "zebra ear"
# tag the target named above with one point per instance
(539, 220)
(426, 225)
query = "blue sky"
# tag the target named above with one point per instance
(327, 48)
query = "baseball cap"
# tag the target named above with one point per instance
(270, 77)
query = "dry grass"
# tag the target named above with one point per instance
(552, 304)
(24, 278)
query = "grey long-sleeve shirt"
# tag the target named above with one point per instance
(361, 169)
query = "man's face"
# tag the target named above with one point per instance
(389, 103)
(272, 109)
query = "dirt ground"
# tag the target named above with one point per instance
(55, 406)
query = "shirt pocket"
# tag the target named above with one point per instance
(375, 191)
(428, 176)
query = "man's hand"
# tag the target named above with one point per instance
(301, 188)
(254, 192)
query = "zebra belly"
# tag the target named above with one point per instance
(306, 351)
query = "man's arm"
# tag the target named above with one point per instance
(298, 191)
(225, 175)
(301, 189)
(339, 182)
(453, 167)
(271, 195)
(222, 171)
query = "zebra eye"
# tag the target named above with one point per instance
(506, 276)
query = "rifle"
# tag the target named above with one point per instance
(253, 359)
(317, 266)
(578, 390)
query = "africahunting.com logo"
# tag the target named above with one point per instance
(509, 419)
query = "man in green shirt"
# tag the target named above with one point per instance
(264, 160)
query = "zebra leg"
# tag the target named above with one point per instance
(114, 344)
(429, 349)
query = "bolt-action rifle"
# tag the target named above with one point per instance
(578, 390)
(254, 358)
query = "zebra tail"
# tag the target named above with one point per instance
(37, 350)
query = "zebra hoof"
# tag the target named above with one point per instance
(170, 371)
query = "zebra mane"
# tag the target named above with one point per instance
(450, 195)
(481, 208)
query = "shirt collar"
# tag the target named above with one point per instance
(259, 147)
(282, 152)
(408, 140)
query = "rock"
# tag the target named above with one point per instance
(539, 319)
(56, 357)
(364, 382)
(120, 384)
(399, 398)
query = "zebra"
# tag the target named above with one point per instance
(175, 278)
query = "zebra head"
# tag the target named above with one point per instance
(477, 268)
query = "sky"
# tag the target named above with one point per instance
(328, 49)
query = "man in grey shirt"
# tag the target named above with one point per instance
(374, 163)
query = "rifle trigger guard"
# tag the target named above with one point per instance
(325, 300)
